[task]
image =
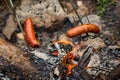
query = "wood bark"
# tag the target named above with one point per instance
(16, 65)
(115, 74)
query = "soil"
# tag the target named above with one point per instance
(110, 36)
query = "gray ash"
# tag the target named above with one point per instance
(108, 60)
(114, 53)
(67, 48)
(39, 64)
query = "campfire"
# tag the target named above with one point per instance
(71, 50)
(64, 54)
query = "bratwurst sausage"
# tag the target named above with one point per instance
(29, 33)
(81, 29)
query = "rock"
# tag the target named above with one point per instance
(93, 19)
(42, 12)
(94, 62)
(82, 9)
(115, 62)
(10, 27)
(20, 36)
(78, 5)
(96, 43)
(66, 5)
(20, 40)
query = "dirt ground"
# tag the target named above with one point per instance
(110, 36)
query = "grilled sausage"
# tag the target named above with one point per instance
(81, 29)
(29, 33)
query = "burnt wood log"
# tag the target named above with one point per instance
(84, 74)
(115, 74)
(17, 66)
(101, 76)
(79, 72)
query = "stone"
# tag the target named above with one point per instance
(20, 36)
(93, 19)
(82, 9)
(20, 40)
(96, 43)
(10, 27)
(42, 12)
(94, 62)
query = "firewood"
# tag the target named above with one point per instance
(16, 65)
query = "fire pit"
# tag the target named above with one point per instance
(90, 55)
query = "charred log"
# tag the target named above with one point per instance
(16, 65)
(115, 74)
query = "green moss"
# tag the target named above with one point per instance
(101, 6)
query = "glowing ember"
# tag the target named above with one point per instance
(65, 42)
(68, 63)
(55, 53)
